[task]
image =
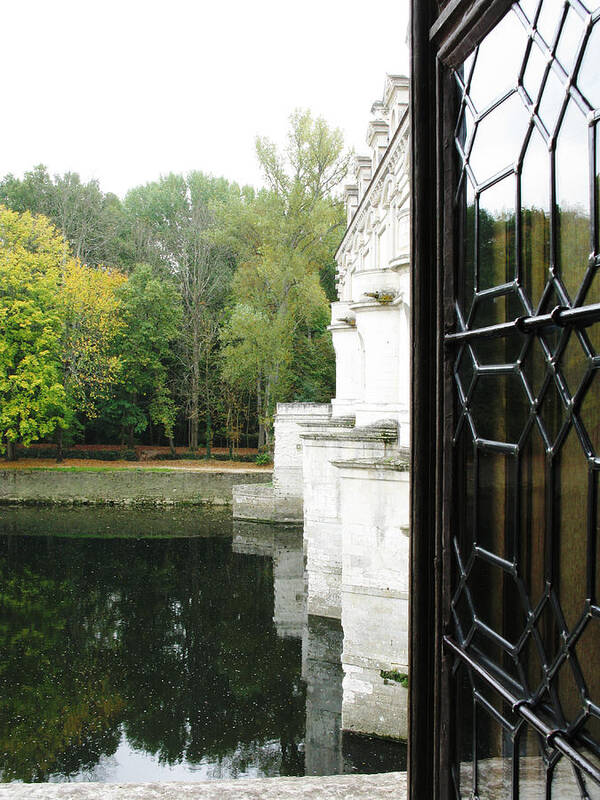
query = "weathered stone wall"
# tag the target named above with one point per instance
(283, 501)
(287, 473)
(123, 486)
(323, 504)
(375, 522)
(262, 503)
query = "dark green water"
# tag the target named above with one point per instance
(143, 646)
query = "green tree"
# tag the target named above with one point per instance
(91, 367)
(174, 223)
(285, 237)
(150, 311)
(33, 401)
(93, 223)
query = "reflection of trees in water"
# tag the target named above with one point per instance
(172, 639)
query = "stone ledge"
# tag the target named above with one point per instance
(339, 787)
(379, 464)
(384, 430)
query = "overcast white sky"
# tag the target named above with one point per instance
(126, 90)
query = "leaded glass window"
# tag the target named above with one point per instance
(525, 562)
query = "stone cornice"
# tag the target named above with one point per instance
(397, 149)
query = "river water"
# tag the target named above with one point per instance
(165, 645)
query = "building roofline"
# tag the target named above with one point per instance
(380, 168)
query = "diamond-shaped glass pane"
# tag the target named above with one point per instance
(465, 369)
(535, 366)
(494, 310)
(532, 659)
(491, 153)
(572, 492)
(497, 228)
(588, 79)
(466, 223)
(549, 19)
(465, 130)
(535, 216)
(589, 413)
(570, 37)
(499, 407)
(534, 72)
(496, 476)
(529, 7)
(553, 98)
(574, 363)
(587, 652)
(573, 202)
(552, 412)
(532, 530)
(493, 51)
(551, 334)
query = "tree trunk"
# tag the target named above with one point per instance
(130, 442)
(59, 446)
(208, 432)
(11, 451)
(194, 391)
(259, 413)
(172, 446)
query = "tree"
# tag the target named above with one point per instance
(174, 222)
(286, 237)
(33, 400)
(90, 305)
(150, 311)
(90, 221)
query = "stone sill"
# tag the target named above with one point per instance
(379, 464)
(390, 785)
(382, 431)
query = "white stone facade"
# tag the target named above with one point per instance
(346, 464)
(370, 323)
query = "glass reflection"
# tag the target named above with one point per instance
(534, 72)
(488, 82)
(572, 197)
(466, 211)
(499, 407)
(549, 19)
(588, 78)
(553, 98)
(532, 767)
(497, 255)
(499, 138)
(535, 217)
(568, 43)
(529, 7)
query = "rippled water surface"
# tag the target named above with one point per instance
(164, 645)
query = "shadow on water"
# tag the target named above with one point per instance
(126, 655)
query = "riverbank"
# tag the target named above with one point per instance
(88, 482)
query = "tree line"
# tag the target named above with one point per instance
(179, 315)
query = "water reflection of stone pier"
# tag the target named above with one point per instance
(328, 750)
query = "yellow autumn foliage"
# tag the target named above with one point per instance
(90, 306)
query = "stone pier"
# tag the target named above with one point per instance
(323, 537)
(375, 524)
(282, 500)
